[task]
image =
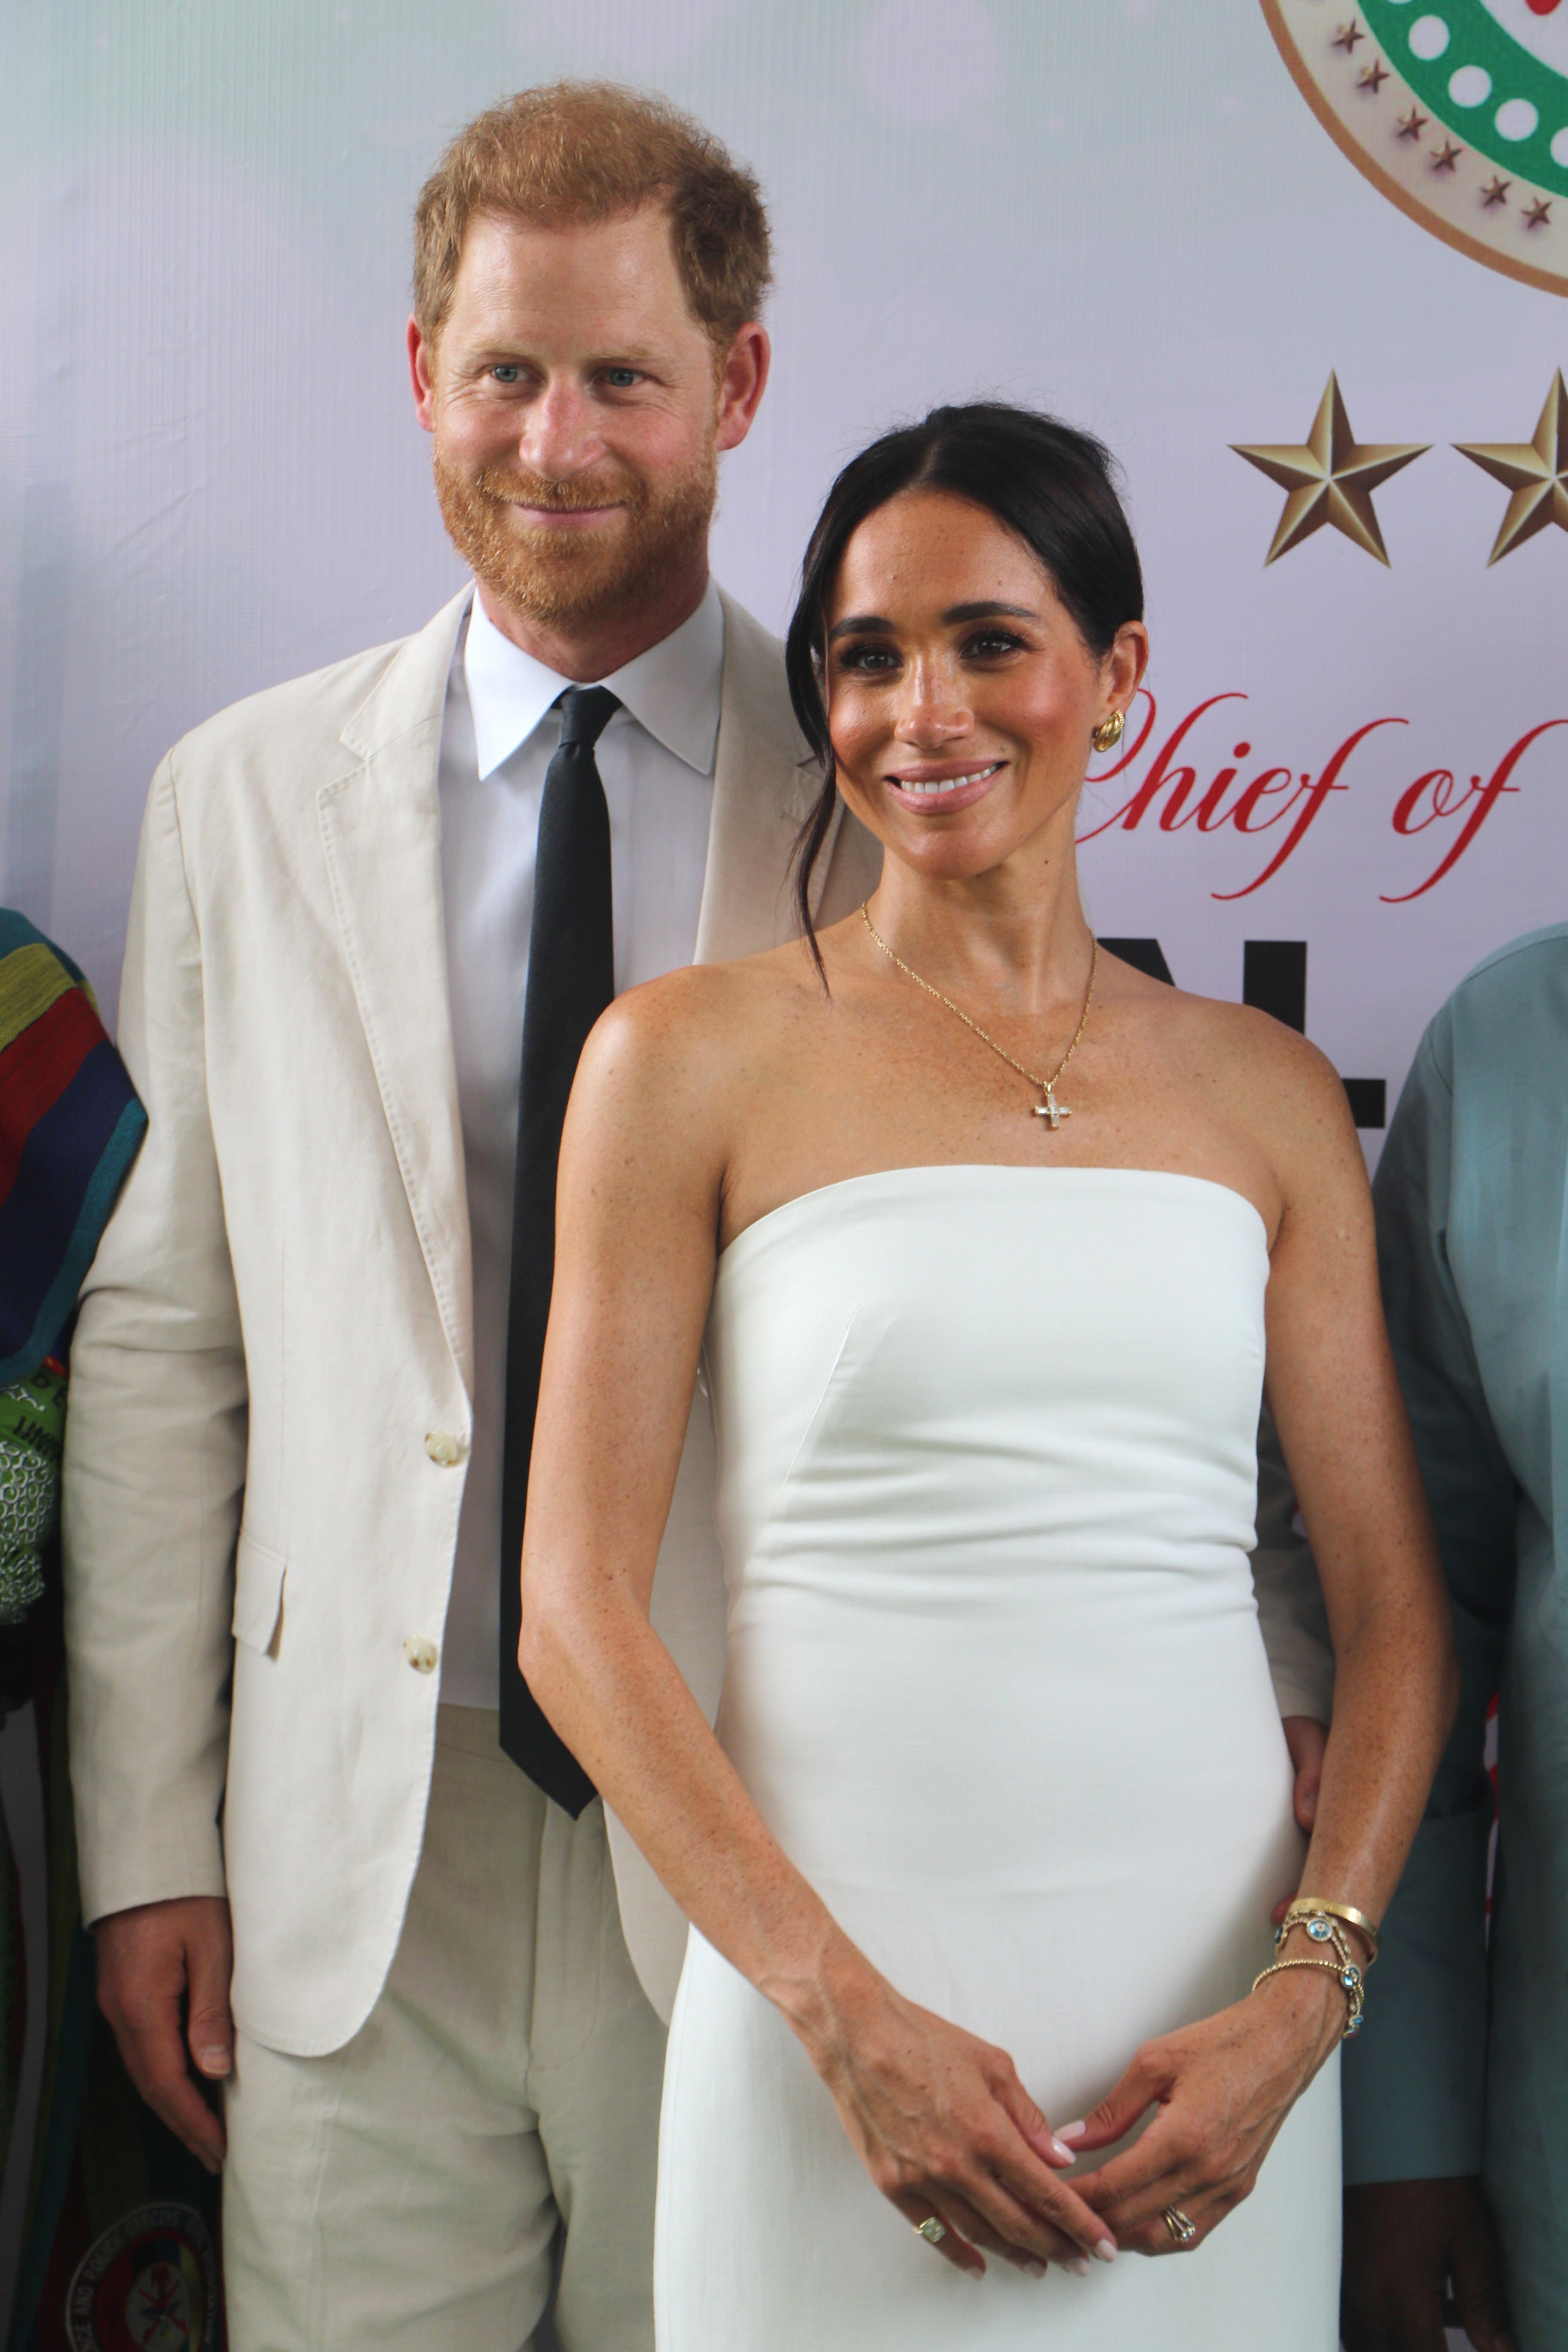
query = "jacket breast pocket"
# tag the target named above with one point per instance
(258, 1578)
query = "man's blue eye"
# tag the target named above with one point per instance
(506, 373)
(622, 378)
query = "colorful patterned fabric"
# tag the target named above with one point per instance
(32, 1439)
(69, 1126)
(120, 2239)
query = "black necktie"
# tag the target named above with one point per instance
(570, 979)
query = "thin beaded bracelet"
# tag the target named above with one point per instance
(1323, 1928)
(1341, 1976)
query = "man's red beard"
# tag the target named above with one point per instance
(582, 577)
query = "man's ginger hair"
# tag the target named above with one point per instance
(575, 152)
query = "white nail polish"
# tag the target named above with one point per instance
(1036, 2270)
(1106, 2251)
(1060, 2148)
(1080, 2265)
(1072, 2131)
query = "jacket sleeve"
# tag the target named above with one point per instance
(1414, 2080)
(1290, 1613)
(155, 1440)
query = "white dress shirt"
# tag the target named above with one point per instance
(656, 758)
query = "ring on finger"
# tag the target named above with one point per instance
(1182, 2231)
(932, 2230)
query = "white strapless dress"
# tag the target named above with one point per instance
(995, 1679)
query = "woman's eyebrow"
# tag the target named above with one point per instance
(956, 614)
(860, 621)
(954, 617)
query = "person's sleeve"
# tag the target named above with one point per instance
(156, 1438)
(1290, 1613)
(1415, 2079)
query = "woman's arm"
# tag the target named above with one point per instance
(1225, 2086)
(1336, 1399)
(940, 2118)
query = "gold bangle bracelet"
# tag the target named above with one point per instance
(1305, 1904)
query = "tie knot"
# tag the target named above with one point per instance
(586, 712)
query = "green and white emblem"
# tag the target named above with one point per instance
(1457, 109)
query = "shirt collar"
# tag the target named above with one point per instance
(673, 689)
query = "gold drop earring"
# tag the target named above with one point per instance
(1107, 734)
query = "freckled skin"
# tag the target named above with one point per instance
(929, 697)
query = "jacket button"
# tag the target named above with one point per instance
(420, 1654)
(444, 1448)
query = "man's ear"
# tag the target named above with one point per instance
(422, 376)
(743, 381)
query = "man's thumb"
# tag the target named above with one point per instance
(1483, 2315)
(210, 2028)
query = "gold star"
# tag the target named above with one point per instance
(1373, 75)
(1497, 192)
(1535, 471)
(1331, 478)
(1347, 37)
(1413, 124)
(1447, 155)
(1538, 215)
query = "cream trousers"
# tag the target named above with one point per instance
(490, 2135)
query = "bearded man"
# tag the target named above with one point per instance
(308, 1357)
(376, 912)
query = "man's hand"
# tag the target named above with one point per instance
(151, 1962)
(1307, 1739)
(1405, 2240)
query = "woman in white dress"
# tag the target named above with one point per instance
(988, 1241)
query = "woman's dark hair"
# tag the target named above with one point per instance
(1053, 487)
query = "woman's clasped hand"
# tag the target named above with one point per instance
(946, 2129)
(1220, 2089)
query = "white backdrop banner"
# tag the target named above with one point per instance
(1302, 269)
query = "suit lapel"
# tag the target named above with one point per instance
(762, 797)
(381, 831)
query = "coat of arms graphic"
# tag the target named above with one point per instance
(149, 2284)
(1457, 109)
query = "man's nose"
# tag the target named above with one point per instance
(559, 431)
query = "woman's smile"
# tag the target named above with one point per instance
(939, 788)
(961, 693)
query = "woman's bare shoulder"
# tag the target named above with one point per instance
(693, 1034)
(1259, 1074)
(1236, 1042)
(704, 1005)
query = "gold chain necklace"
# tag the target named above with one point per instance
(1047, 1106)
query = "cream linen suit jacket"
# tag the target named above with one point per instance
(259, 1542)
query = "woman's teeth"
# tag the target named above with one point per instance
(951, 783)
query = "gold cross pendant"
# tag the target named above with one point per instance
(1052, 1109)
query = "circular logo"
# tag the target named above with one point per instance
(149, 2284)
(1457, 109)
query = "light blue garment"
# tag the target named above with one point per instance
(1463, 2066)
